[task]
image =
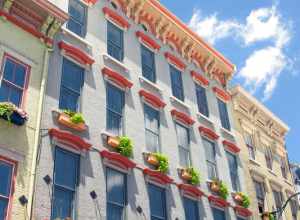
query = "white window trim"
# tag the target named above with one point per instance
(201, 116)
(254, 162)
(109, 80)
(56, 143)
(106, 56)
(151, 84)
(77, 37)
(115, 23)
(108, 164)
(224, 130)
(64, 55)
(176, 100)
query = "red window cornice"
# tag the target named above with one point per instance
(117, 78)
(182, 117)
(241, 211)
(231, 146)
(76, 53)
(199, 78)
(69, 139)
(217, 201)
(157, 176)
(90, 2)
(148, 40)
(190, 190)
(122, 22)
(221, 93)
(175, 61)
(208, 133)
(118, 160)
(152, 99)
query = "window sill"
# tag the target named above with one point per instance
(201, 116)
(105, 134)
(82, 40)
(288, 182)
(117, 62)
(148, 82)
(174, 99)
(227, 132)
(272, 172)
(254, 162)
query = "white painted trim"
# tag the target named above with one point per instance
(148, 82)
(272, 172)
(115, 23)
(254, 162)
(117, 62)
(77, 37)
(145, 45)
(227, 132)
(205, 118)
(55, 142)
(12, 154)
(174, 99)
(109, 80)
(107, 163)
(64, 55)
(149, 180)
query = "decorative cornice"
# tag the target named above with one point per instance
(152, 99)
(217, 201)
(175, 61)
(190, 190)
(208, 133)
(182, 117)
(118, 19)
(117, 78)
(231, 146)
(148, 40)
(158, 177)
(199, 78)
(69, 139)
(75, 53)
(243, 212)
(225, 96)
(118, 160)
(90, 2)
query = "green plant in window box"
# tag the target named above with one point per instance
(191, 175)
(13, 114)
(223, 190)
(6, 110)
(163, 162)
(219, 187)
(125, 146)
(243, 199)
(75, 117)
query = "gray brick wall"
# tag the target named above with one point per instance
(93, 107)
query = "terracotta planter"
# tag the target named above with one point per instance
(215, 187)
(152, 160)
(238, 198)
(186, 175)
(65, 120)
(113, 141)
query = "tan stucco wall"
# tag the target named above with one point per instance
(257, 169)
(16, 142)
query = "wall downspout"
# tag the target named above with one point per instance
(37, 132)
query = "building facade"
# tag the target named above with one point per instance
(261, 136)
(133, 69)
(27, 29)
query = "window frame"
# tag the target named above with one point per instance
(124, 205)
(195, 202)
(234, 174)
(145, 105)
(14, 166)
(204, 97)
(16, 61)
(64, 188)
(225, 122)
(186, 149)
(219, 209)
(280, 197)
(269, 158)
(111, 43)
(250, 146)
(283, 168)
(70, 90)
(260, 200)
(121, 115)
(164, 203)
(153, 68)
(84, 25)
(174, 87)
(208, 162)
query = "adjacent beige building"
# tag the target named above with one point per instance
(261, 137)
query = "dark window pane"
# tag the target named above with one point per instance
(116, 187)
(152, 141)
(233, 169)
(4, 92)
(68, 100)
(9, 70)
(218, 214)
(6, 178)
(148, 64)
(210, 153)
(115, 41)
(77, 20)
(151, 128)
(202, 100)
(157, 202)
(176, 81)
(223, 114)
(15, 96)
(114, 212)
(62, 203)
(3, 208)
(191, 209)
(20, 74)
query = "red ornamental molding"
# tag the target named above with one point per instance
(175, 61)
(148, 40)
(190, 190)
(90, 2)
(241, 211)
(116, 18)
(221, 93)
(157, 176)
(199, 78)
(118, 160)
(152, 99)
(217, 201)
(208, 133)
(117, 78)
(182, 117)
(76, 53)
(69, 139)
(231, 146)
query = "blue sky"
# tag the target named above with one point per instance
(263, 39)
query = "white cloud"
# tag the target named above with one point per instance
(264, 65)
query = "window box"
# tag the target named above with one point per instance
(121, 144)
(159, 161)
(13, 114)
(69, 121)
(241, 199)
(152, 160)
(113, 141)
(219, 188)
(186, 175)
(190, 175)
